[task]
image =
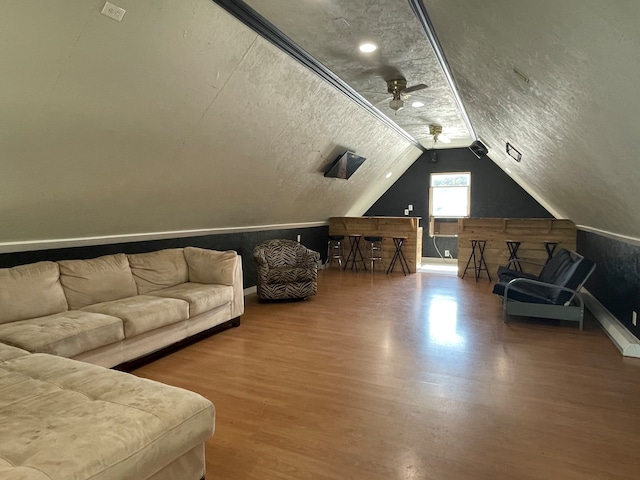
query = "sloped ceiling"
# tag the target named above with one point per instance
(571, 110)
(177, 118)
(576, 120)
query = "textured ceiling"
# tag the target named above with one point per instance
(576, 120)
(331, 31)
(571, 112)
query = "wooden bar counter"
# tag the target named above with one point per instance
(531, 232)
(387, 228)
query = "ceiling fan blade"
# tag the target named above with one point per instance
(415, 88)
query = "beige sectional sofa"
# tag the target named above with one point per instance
(65, 419)
(116, 308)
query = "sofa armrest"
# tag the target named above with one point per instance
(237, 305)
(549, 286)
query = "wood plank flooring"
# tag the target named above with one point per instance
(391, 377)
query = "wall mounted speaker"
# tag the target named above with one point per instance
(479, 149)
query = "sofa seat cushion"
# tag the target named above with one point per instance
(143, 313)
(66, 334)
(9, 472)
(290, 275)
(72, 420)
(523, 292)
(201, 297)
(7, 352)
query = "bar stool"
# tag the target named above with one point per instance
(478, 261)
(513, 246)
(373, 246)
(334, 249)
(550, 247)
(355, 254)
(398, 255)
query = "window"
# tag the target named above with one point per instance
(450, 195)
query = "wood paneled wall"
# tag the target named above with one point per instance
(387, 228)
(531, 232)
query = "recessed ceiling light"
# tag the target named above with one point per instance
(417, 104)
(388, 175)
(368, 47)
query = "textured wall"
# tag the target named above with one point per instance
(177, 118)
(493, 194)
(616, 280)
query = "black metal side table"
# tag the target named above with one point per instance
(355, 254)
(477, 255)
(550, 247)
(513, 246)
(399, 255)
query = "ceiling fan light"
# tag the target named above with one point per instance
(436, 132)
(396, 104)
(368, 47)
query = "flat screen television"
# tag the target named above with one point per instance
(344, 166)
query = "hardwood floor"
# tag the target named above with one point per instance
(391, 377)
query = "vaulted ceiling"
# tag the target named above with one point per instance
(181, 118)
(554, 79)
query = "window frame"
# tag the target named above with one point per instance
(431, 188)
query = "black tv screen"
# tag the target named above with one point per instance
(344, 166)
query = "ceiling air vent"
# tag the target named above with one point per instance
(513, 152)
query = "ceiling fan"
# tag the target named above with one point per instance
(398, 88)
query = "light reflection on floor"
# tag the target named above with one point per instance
(443, 322)
(439, 265)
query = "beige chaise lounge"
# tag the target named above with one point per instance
(62, 419)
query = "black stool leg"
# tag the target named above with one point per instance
(482, 245)
(550, 247)
(472, 256)
(513, 255)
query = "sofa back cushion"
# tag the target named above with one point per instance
(555, 267)
(211, 266)
(30, 291)
(86, 282)
(572, 277)
(156, 270)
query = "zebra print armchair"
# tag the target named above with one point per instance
(286, 270)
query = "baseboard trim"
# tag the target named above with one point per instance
(622, 338)
(250, 290)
